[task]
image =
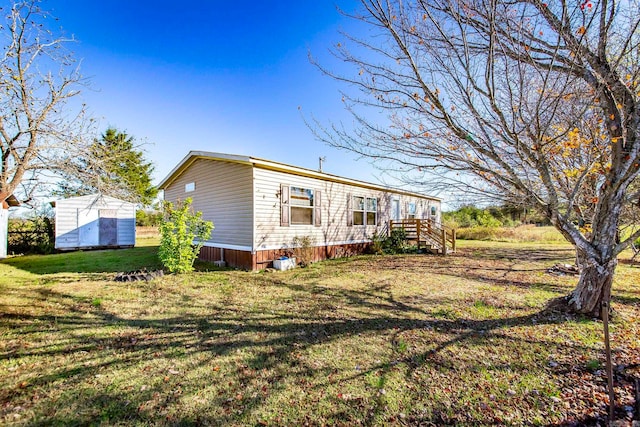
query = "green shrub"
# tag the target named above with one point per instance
(182, 235)
(470, 216)
(146, 218)
(377, 244)
(31, 236)
(396, 243)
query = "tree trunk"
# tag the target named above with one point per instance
(594, 286)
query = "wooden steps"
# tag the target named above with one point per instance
(427, 234)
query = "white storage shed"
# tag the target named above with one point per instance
(11, 201)
(94, 221)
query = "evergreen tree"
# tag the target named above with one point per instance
(126, 171)
(113, 166)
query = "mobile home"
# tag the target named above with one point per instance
(258, 206)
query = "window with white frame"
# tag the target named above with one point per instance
(411, 210)
(433, 211)
(302, 206)
(365, 210)
(372, 211)
(358, 210)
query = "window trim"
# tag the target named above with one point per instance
(364, 211)
(410, 214)
(315, 207)
(355, 210)
(311, 207)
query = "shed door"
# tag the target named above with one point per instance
(108, 227)
(88, 233)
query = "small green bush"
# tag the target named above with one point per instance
(182, 235)
(396, 243)
(377, 244)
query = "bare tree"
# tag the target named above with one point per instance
(42, 123)
(526, 101)
(115, 166)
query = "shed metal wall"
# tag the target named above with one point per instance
(4, 226)
(77, 221)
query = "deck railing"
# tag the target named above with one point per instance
(427, 233)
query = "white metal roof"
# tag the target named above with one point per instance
(190, 158)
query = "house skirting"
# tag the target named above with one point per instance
(261, 259)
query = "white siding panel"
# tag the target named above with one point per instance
(74, 213)
(4, 227)
(67, 232)
(223, 193)
(334, 229)
(126, 214)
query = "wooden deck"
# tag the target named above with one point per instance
(427, 234)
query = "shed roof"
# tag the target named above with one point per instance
(190, 158)
(92, 198)
(9, 202)
(12, 201)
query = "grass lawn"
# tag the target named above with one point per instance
(372, 340)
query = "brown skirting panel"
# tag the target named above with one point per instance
(233, 258)
(264, 259)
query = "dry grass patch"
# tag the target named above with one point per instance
(528, 233)
(371, 340)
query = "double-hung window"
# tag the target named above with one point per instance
(365, 210)
(302, 205)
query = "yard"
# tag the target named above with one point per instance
(372, 340)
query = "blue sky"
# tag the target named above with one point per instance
(213, 75)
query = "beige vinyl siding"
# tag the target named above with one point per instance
(333, 229)
(223, 193)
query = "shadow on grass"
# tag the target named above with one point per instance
(148, 358)
(520, 253)
(271, 340)
(96, 261)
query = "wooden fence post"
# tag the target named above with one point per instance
(453, 243)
